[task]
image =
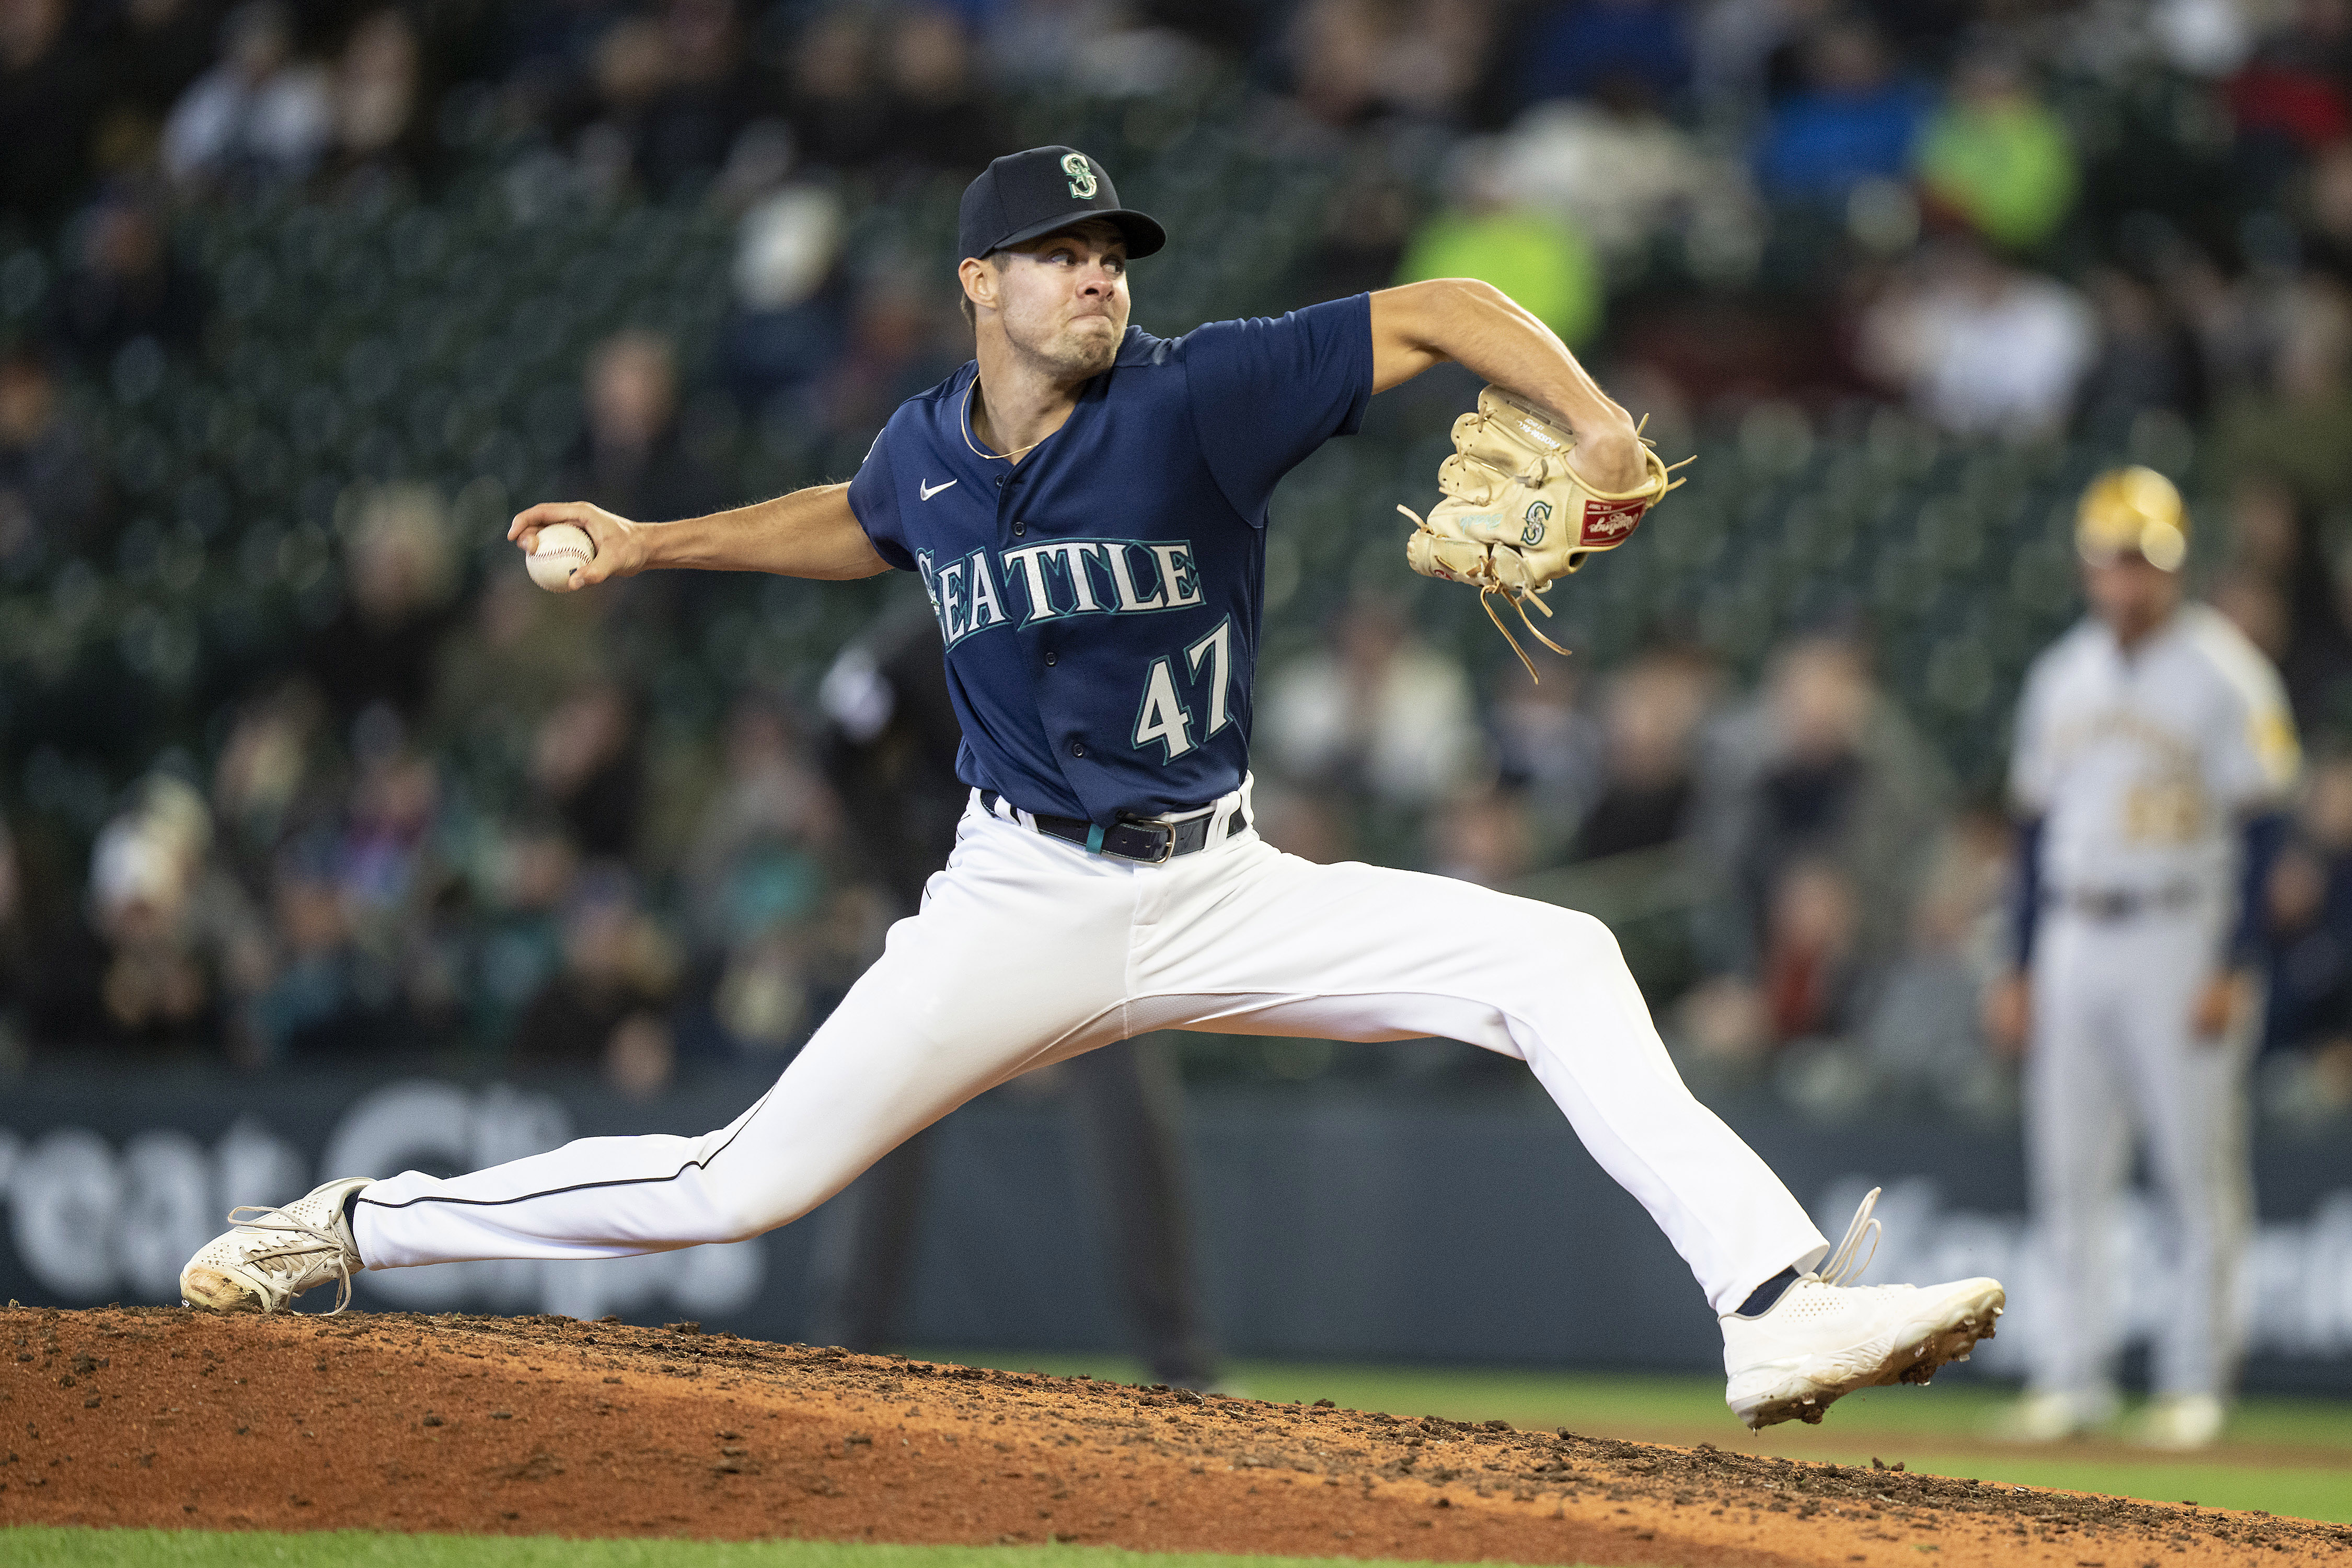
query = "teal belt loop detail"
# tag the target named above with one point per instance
(1094, 838)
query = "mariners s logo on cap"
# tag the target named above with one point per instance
(1026, 195)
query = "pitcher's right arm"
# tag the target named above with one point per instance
(807, 534)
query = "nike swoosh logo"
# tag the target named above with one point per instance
(930, 490)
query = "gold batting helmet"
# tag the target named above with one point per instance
(2133, 511)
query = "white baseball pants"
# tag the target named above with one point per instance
(2115, 1061)
(1028, 951)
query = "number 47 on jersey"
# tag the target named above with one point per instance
(1162, 716)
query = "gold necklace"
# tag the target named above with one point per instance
(965, 419)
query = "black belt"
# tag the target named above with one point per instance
(2125, 903)
(1144, 843)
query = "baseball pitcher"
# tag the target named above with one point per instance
(2154, 754)
(1087, 506)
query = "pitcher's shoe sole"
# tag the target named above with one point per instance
(1943, 1330)
(219, 1291)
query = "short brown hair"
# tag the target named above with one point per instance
(995, 258)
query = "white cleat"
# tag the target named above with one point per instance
(1824, 1338)
(2049, 1415)
(269, 1255)
(2180, 1421)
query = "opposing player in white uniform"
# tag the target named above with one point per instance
(2154, 752)
(1087, 506)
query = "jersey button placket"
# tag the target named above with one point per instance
(1078, 749)
(1051, 657)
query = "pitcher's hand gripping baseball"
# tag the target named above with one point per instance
(1517, 516)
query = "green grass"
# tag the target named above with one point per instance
(2281, 1455)
(45, 1548)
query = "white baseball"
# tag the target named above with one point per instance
(562, 550)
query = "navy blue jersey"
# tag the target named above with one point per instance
(1099, 601)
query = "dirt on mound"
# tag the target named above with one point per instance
(172, 1418)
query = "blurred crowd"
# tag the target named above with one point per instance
(394, 805)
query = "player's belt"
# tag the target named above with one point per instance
(2126, 904)
(1145, 842)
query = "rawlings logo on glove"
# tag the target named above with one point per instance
(1517, 517)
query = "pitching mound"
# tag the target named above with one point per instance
(546, 1425)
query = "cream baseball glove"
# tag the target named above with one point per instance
(1515, 517)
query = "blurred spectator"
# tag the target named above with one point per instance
(1624, 174)
(1814, 799)
(1998, 156)
(1532, 255)
(672, 92)
(890, 752)
(50, 489)
(381, 856)
(126, 284)
(400, 577)
(606, 1008)
(180, 947)
(332, 1002)
(835, 97)
(2279, 553)
(1548, 749)
(785, 327)
(711, 94)
(500, 673)
(588, 763)
(901, 340)
(548, 50)
(1484, 838)
(2289, 100)
(1922, 1031)
(1575, 48)
(2310, 907)
(2299, 427)
(1743, 53)
(49, 89)
(272, 781)
(756, 875)
(2255, 606)
(1980, 347)
(630, 459)
(259, 115)
(1651, 719)
(2326, 225)
(1379, 716)
(1352, 61)
(632, 67)
(1110, 48)
(1855, 117)
(379, 133)
(2148, 357)
(521, 876)
(936, 115)
(1365, 228)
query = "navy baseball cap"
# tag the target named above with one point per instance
(1024, 194)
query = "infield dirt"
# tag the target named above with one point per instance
(170, 1419)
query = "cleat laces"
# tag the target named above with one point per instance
(282, 1258)
(1841, 1267)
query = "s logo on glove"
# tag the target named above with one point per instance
(1507, 481)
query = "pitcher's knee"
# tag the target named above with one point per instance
(1574, 937)
(740, 1213)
